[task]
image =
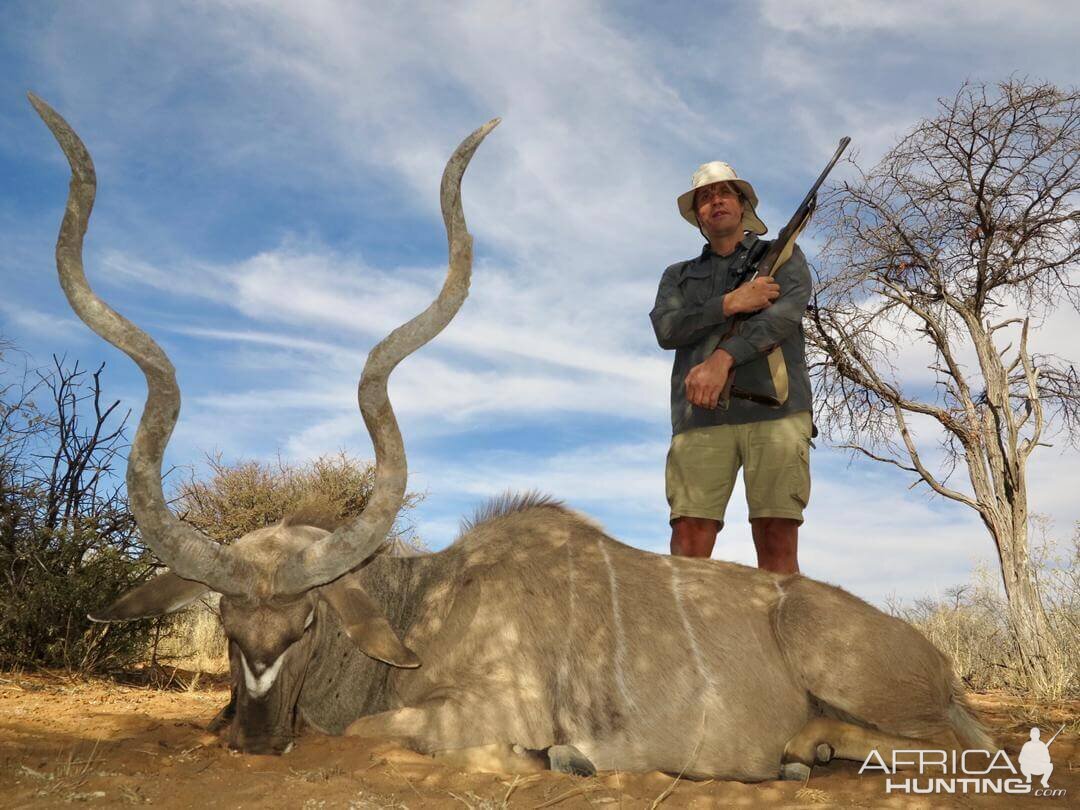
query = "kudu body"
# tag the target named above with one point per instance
(541, 638)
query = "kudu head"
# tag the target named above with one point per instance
(271, 580)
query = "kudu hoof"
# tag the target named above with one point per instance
(567, 759)
(794, 771)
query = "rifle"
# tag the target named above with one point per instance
(778, 253)
(1051, 740)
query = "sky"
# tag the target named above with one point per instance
(268, 209)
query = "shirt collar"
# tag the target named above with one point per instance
(746, 243)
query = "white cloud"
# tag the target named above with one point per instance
(623, 475)
(28, 320)
(849, 16)
(264, 339)
(533, 349)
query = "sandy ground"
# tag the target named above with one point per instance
(65, 741)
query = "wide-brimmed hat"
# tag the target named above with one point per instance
(719, 172)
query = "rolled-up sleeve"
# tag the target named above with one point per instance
(677, 323)
(763, 330)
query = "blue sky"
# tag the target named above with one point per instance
(268, 209)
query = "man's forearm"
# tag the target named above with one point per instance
(722, 358)
(678, 326)
(705, 382)
(778, 321)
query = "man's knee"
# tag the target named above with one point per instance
(696, 525)
(775, 528)
(693, 536)
(777, 543)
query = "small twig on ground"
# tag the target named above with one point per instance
(518, 782)
(671, 788)
(667, 792)
(812, 796)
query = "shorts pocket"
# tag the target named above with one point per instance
(800, 476)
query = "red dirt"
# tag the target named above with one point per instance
(97, 742)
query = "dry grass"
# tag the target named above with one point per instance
(247, 495)
(64, 780)
(368, 800)
(196, 640)
(969, 625)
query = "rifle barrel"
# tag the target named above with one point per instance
(1051, 740)
(821, 178)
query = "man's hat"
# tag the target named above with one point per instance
(720, 172)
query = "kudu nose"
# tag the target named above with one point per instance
(262, 747)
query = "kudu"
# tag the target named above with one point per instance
(542, 639)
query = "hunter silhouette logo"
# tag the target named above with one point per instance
(930, 771)
(1034, 757)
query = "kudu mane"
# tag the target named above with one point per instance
(510, 503)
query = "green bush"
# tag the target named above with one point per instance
(68, 543)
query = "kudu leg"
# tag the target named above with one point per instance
(422, 726)
(493, 758)
(225, 716)
(443, 730)
(825, 738)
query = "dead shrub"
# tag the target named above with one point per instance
(969, 623)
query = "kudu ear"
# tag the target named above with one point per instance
(365, 624)
(165, 593)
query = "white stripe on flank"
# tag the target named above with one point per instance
(259, 685)
(562, 672)
(680, 609)
(709, 686)
(620, 637)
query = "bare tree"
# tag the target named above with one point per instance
(66, 535)
(957, 243)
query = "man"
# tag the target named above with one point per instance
(695, 305)
(1035, 759)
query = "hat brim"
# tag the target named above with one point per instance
(750, 221)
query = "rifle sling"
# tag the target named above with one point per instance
(760, 399)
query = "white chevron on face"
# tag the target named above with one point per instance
(259, 685)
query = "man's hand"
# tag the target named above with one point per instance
(706, 380)
(753, 296)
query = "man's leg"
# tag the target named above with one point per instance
(693, 537)
(702, 466)
(777, 544)
(777, 474)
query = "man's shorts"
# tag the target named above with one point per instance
(775, 457)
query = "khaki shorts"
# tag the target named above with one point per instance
(775, 456)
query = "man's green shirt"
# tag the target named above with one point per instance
(689, 318)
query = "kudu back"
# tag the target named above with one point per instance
(535, 640)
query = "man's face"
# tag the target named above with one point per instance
(719, 209)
